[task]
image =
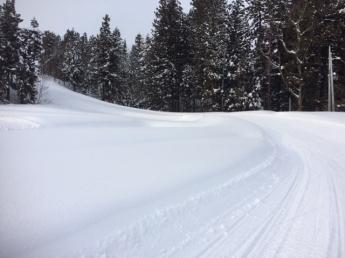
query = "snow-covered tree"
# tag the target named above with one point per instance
(30, 68)
(124, 75)
(109, 57)
(91, 76)
(209, 29)
(10, 45)
(266, 31)
(85, 56)
(71, 66)
(188, 89)
(117, 66)
(104, 75)
(166, 56)
(2, 63)
(242, 92)
(52, 54)
(136, 72)
(299, 25)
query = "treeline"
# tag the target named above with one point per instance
(221, 56)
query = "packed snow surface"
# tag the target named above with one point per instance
(81, 178)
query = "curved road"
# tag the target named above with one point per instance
(290, 205)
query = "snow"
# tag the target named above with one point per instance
(83, 178)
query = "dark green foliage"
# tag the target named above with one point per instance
(52, 55)
(209, 21)
(29, 69)
(109, 56)
(167, 57)
(9, 50)
(136, 78)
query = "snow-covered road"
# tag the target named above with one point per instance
(82, 178)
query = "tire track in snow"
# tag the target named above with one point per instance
(232, 226)
(221, 246)
(334, 248)
(320, 168)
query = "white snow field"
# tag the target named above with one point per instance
(81, 178)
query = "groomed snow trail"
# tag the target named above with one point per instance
(238, 185)
(290, 205)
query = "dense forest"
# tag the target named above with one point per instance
(220, 56)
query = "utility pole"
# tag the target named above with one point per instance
(331, 99)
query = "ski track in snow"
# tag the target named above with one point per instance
(289, 203)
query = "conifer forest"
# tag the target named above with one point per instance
(221, 56)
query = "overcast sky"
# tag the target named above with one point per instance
(130, 16)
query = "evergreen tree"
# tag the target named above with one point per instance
(147, 71)
(92, 68)
(51, 56)
(242, 91)
(266, 33)
(208, 21)
(108, 63)
(2, 63)
(124, 75)
(85, 56)
(10, 45)
(72, 59)
(189, 96)
(136, 73)
(166, 63)
(117, 67)
(30, 69)
(103, 60)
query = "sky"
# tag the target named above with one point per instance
(130, 16)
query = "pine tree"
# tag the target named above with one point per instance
(85, 56)
(72, 60)
(166, 63)
(136, 73)
(189, 97)
(188, 85)
(9, 27)
(242, 91)
(124, 75)
(147, 71)
(266, 33)
(118, 55)
(208, 20)
(103, 60)
(51, 57)
(106, 61)
(92, 68)
(2, 63)
(30, 69)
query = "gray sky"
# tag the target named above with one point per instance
(130, 16)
